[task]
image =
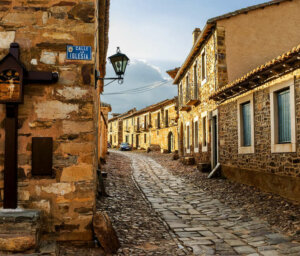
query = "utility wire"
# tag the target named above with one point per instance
(141, 89)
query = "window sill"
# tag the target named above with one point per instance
(246, 150)
(196, 150)
(283, 148)
(204, 149)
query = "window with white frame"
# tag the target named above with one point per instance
(204, 131)
(283, 125)
(203, 66)
(196, 135)
(188, 137)
(245, 124)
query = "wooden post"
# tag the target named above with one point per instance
(11, 157)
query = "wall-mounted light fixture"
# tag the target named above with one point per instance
(119, 62)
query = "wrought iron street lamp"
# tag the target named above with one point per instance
(119, 62)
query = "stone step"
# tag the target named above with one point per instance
(47, 248)
(19, 230)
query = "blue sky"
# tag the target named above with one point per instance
(156, 35)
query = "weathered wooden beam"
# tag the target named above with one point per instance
(11, 158)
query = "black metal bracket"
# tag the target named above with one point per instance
(97, 77)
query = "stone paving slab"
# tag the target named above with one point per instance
(201, 222)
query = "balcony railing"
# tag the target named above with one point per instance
(193, 98)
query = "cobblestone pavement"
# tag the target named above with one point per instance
(203, 223)
(138, 226)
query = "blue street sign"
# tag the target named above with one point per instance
(75, 52)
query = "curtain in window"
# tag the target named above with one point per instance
(284, 117)
(246, 124)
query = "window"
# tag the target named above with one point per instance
(283, 125)
(167, 118)
(127, 138)
(145, 138)
(138, 123)
(188, 138)
(180, 94)
(195, 82)
(246, 124)
(204, 131)
(145, 122)
(245, 118)
(196, 135)
(284, 116)
(187, 87)
(158, 120)
(203, 67)
(126, 125)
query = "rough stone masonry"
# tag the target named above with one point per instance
(64, 111)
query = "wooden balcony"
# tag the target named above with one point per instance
(193, 102)
(185, 108)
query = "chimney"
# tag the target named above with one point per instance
(196, 34)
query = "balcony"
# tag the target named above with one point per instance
(185, 108)
(193, 98)
(137, 128)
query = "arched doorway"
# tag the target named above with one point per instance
(181, 140)
(170, 142)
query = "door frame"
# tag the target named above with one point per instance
(170, 142)
(214, 139)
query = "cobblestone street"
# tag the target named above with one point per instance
(203, 224)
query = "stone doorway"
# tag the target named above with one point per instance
(181, 140)
(170, 142)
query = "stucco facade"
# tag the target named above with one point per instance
(66, 111)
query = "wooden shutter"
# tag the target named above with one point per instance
(42, 149)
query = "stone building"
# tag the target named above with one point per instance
(226, 48)
(115, 128)
(154, 126)
(103, 130)
(65, 113)
(259, 126)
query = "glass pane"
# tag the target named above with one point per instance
(246, 116)
(284, 117)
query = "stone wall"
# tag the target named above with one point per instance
(103, 131)
(154, 136)
(64, 111)
(216, 77)
(262, 168)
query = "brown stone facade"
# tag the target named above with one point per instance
(278, 172)
(103, 131)
(115, 128)
(64, 111)
(142, 130)
(222, 54)
(206, 73)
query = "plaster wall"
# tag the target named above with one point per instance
(258, 36)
